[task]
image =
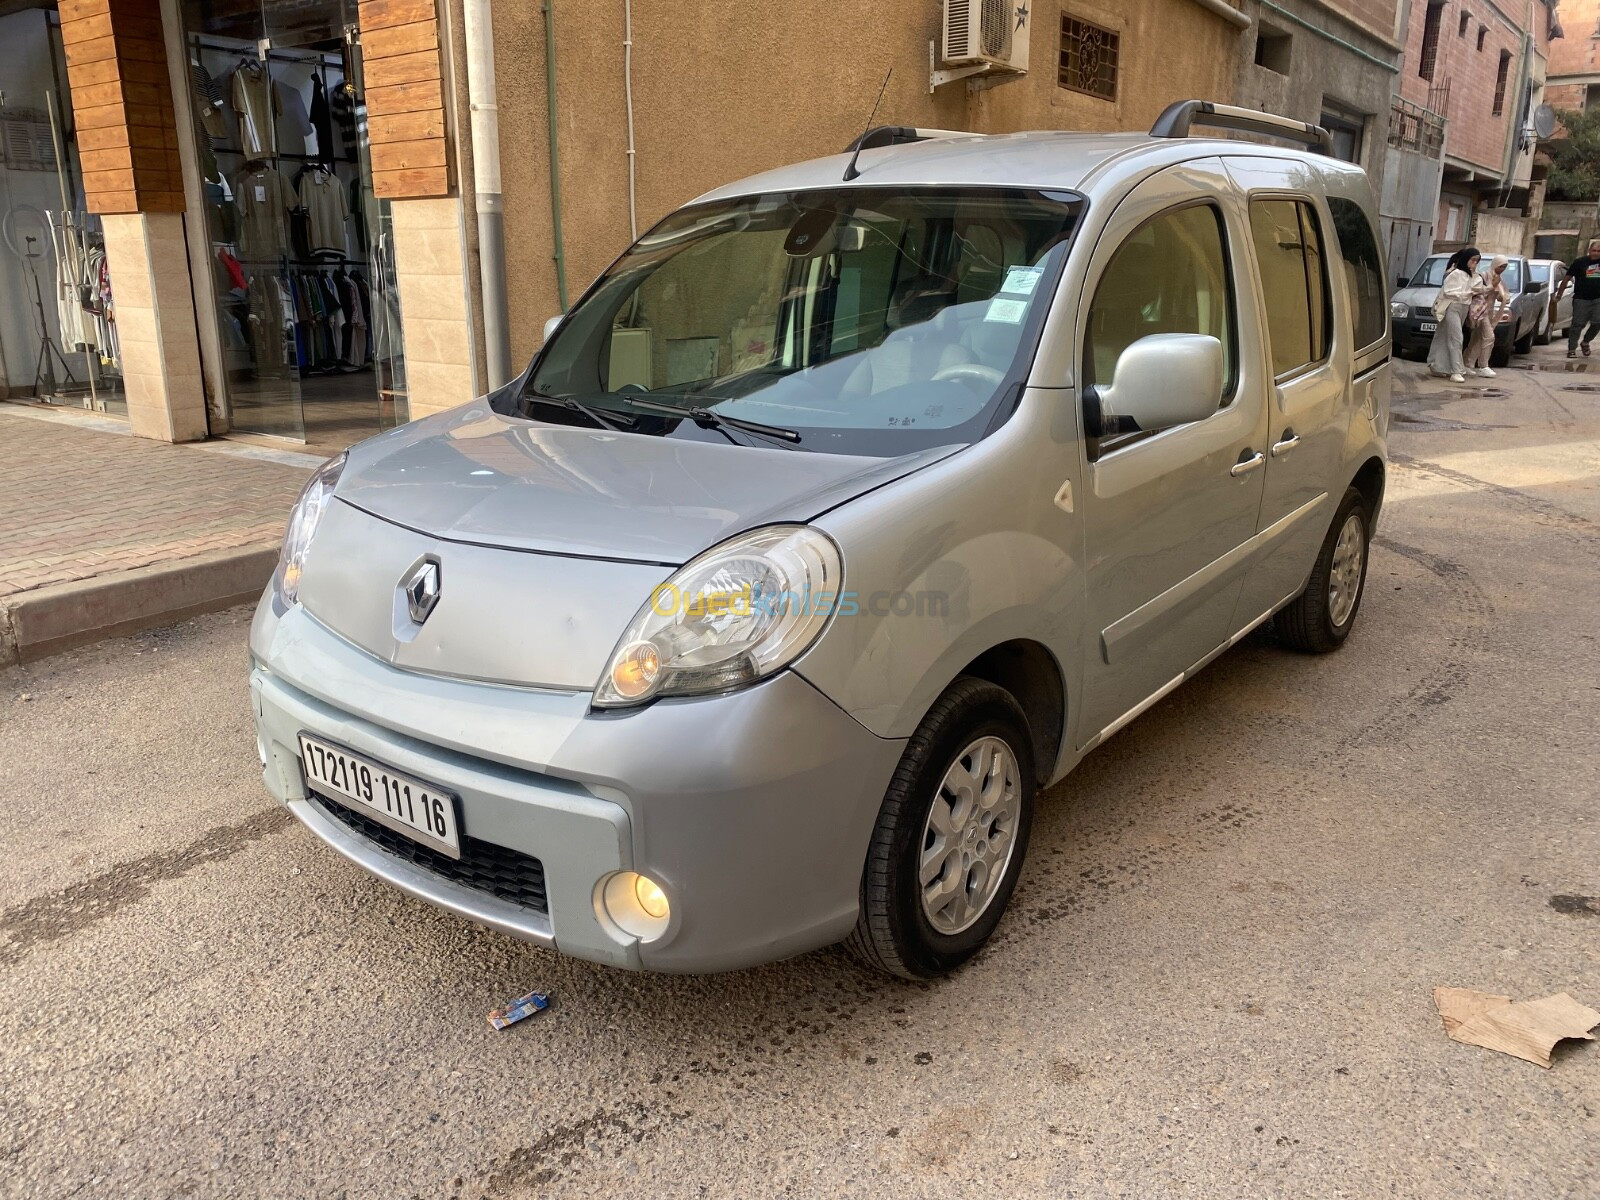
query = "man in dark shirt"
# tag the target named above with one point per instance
(1584, 275)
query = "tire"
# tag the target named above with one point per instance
(1545, 334)
(1524, 345)
(1500, 355)
(1307, 622)
(894, 932)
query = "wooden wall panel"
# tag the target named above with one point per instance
(122, 106)
(403, 73)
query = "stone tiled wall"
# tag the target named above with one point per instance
(155, 325)
(433, 304)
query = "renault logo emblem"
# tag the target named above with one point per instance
(422, 589)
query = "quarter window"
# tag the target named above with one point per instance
(1170, 276)
(1294, 279)
(1363, 269)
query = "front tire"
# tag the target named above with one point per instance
(951, 835)
(1320, 617)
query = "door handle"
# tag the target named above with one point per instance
(1245, 465)
(1286, 445)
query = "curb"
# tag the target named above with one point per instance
(62, 616)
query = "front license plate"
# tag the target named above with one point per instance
(404, 803)
(1428, 326)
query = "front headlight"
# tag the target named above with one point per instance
(1397, 309)
(731, 616)
(303, 521)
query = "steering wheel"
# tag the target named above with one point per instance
(970, 372)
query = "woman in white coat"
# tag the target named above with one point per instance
(1455, 296)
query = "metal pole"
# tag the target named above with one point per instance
(555, 152)
(481, 99)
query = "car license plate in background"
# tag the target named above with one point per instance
(404, 803)
(1428, 326)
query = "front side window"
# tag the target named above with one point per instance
(1294, 279)
(859, 320)
(1169, 276)
(1363, 269)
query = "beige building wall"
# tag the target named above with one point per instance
(148, 258)
(725, 88)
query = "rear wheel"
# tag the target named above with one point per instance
(1320, 617)
(1545, 332)
(1524, 344)
(1500, 355)
(951, 835)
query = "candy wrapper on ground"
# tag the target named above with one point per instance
(522, 1006)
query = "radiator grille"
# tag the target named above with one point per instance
(495, 870)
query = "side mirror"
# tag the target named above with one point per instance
(1401, 281)
(553, 324)
(1162, 380)
(1535, 286)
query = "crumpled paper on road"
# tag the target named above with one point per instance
(1527, 1029)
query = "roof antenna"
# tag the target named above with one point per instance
(850, 171)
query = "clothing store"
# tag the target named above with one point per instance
(303, 297)
(221, 158)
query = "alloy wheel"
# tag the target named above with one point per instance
(970, 835)
(1344, 577)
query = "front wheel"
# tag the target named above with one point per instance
(1524, 344)
(951, 835)
(1320, 617)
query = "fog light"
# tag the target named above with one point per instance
(635, 904)
(650, 896)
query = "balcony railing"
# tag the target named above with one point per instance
(1414, 128)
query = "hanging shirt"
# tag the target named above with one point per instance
(294, 125)
(322, 196)
(321, 120)
(255, 99)
(343, 103)
(262, 201)
(208, 103)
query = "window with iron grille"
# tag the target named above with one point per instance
(1500, 82)
(1088, 61)
(1430, 39)
(25, 141)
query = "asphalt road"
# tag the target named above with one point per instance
(1216, 979)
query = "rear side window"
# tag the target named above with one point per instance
(1294, 276)
(1363, 270)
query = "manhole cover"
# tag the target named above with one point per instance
(1581, 387)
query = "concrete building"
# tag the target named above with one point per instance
(269, 216)
(1332, 62)
(1472, 75)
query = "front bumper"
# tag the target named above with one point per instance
(752, 810)
(1410, 339)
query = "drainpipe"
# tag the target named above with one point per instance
(555, 152)
(1227, 12)
(486, 187)
(627, 91)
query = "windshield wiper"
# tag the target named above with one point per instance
(706, 416)
(573, 405)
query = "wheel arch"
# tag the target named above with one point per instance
(1030, 672)
(1369, 481)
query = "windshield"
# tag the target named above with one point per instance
(1431, 273)
(857, 320)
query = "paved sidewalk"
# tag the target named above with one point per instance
(83, 504)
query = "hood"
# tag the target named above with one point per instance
(1417, 297)
(473, 475)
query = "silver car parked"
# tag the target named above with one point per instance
(845, 512)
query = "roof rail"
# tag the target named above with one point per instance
(898, 135)
(1176, 120)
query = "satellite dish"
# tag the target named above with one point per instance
(1544, 121)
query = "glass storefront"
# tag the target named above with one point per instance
(302, 286)
(58, 336)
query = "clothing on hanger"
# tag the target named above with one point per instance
(255, 100)
(262, 201)
(322, 196)
(321, 120)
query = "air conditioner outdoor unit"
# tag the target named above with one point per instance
(983, 37)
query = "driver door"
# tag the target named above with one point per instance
(1167, 514)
